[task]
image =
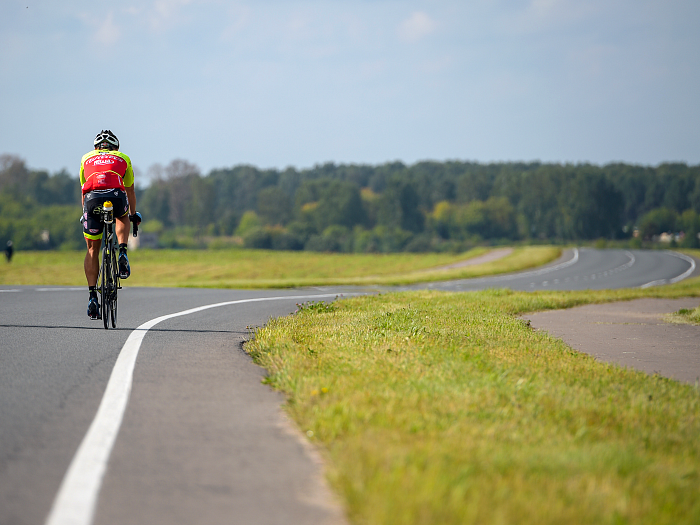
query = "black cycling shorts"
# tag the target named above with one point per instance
(92, 225)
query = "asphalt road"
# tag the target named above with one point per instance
(588, 269)
(201, 440)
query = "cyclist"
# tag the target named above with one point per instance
(106, 174)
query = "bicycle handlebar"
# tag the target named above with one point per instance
(136, 220)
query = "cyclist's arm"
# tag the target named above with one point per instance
(131, 194)
(81, 177)
(129, 184)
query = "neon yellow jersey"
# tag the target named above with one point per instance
(108, 169)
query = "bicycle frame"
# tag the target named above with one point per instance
(109, 281)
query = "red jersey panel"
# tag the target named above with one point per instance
(104, 172)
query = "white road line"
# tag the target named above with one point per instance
(686, 273)
(77, 497)
(654, 283)
(677, 278)
(59, 289)
(519, 275)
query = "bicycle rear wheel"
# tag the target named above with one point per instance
(115, 287)
(104, 286)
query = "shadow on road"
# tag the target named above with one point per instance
(101, 328)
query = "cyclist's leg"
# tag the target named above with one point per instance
(92, 265)
(92, 231)
(92, 260)
(122, 229)
(121, 212)
(124, 267)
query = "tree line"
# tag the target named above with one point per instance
(373, 208)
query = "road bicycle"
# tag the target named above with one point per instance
(108, 277)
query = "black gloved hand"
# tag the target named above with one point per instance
(136, 220)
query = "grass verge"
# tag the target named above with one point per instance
(268, 269)
(685, 316)
(446, 408)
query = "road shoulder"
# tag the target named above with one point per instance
(631, 334)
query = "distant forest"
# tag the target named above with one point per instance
(363, 208)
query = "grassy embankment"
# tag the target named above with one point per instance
(446, 408)
(268, 269)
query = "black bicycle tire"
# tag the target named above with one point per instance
(104, 286)
(115, 286)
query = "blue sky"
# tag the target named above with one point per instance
(295, 83)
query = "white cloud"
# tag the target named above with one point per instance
(109, 32)
(417, 26)
(105, 30)
(165, 13)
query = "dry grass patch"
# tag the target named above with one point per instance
(265, 268)
(685, 316)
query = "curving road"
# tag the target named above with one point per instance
(202, 440)
(590, 269)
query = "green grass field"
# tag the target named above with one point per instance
(447, 408)
(267, 269)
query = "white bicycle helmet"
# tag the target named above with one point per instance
(106, 138)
